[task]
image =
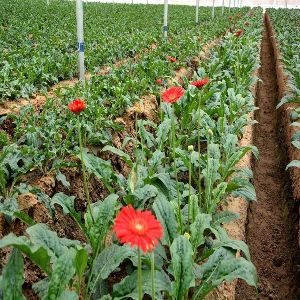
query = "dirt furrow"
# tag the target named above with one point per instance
(272, 220)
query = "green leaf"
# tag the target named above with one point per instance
(231, 162)
(224, 217)
(120, 153)
(41, 235)
(127, 288)
(107, 261)
(13, 277)
(36, 253)
(24, 217)
(166, 215)
(202, 222)
(143, 194)
(217, 194)
(164, 183)
(62, 178)
(163, 131)
(81, 260)
(68, 295)
(182, 261)
(102, 169)
(41, 287)
(103, 214)
(225, 241)
(296, 144)
(63, 271)
(294, 163)
(67, 204)
(221, 266)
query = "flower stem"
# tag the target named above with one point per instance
(139, 275)
(199, 153)
(153, 276)
(85, 184)
(190, 183)
(175, 170)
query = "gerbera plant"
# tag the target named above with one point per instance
(140, 229)
(77, 106)
(171, 96)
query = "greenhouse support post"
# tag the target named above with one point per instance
(222, 7)
(233, 3)
(197, 11)
(165, 29)
(213, 10)
(80, 40)
(285, 3)
(229, 4)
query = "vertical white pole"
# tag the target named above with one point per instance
(197, 11)
(165, 29)
(213, 9)
(222, 7)
(80, 40)
(229, 4)
(233, 3)
(285, 3)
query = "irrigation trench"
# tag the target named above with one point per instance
(271, 231)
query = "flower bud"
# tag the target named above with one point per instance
(187, 235)
(210, 132)
(190, 148)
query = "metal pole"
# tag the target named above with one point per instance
(213, 9)
(229, 4)
(165, 29)
(233, 3)
(197, 11)
(80, 40)
(285, 3)
(222, 7)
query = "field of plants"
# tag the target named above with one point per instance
(120, 187)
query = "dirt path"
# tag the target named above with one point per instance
(272, 227)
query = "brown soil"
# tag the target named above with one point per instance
(272, 220)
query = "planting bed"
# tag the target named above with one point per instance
(155, 153)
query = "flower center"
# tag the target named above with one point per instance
(138, 226)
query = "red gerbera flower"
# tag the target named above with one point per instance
(158, 81)
(246, 23)
(230, 18)
(138, 228)
(238, 33)
(171, 59)
(76, 106)
(173, 94)
(200, 83)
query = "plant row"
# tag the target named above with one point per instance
(286, 25)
